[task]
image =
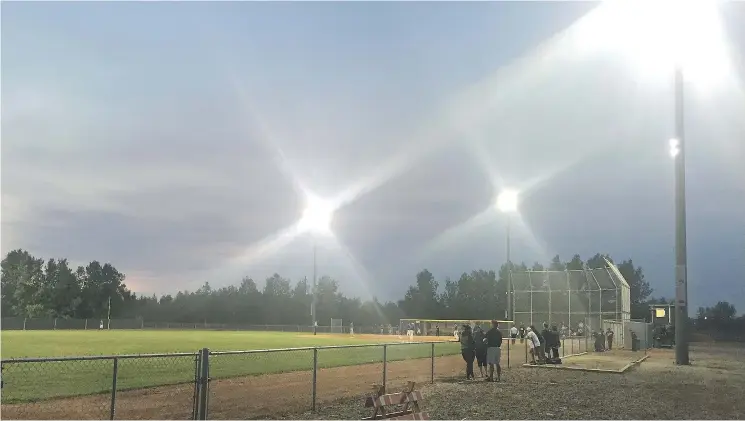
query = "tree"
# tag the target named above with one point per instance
(421, 299)
(556, 264)
(576, 263)
(597, 261)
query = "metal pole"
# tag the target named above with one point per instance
(313, 302)
(204, 384)
(315, 379)
(681, 269)
(509, 315)
(433, 363)
(385, 364)
(509, 339)
(113, 388)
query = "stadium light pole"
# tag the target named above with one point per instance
(507, 203)
(687, 38)
(316, 219)
(677, 150)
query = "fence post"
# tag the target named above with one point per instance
(385, 363)
(509, 339)
(433, 362)
(563, 347)
(204, 384)
(526, 350)
(24, 323)
(315, 379)
(113, 388)
(55, 323)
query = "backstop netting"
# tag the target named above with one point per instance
(336, 326)
(576, 300)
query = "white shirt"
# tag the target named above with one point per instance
(533, 338)
(513, 330)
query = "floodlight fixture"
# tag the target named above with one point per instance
(507, 201)
(674, 148)
(317, 216)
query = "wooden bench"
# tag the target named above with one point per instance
(408, 399)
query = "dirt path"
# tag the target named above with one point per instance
(241, 398)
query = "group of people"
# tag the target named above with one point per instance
(544, 345)
(485, 348)
(603, 340)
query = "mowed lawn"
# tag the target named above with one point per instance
(32, 381)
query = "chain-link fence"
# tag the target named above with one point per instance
(157, 386)
(21, 323)
(231, 384)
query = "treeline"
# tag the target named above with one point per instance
(33, 287)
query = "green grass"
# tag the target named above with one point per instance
(43, 380)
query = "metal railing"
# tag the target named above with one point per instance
(230, 384)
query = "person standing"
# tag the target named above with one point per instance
(522, 333)
(534, 344)
(467, 350)
(479, 339)
(494, 350)
(437, 330)
(545, 338)
(513, 334)
(610, 339)
(555, 343)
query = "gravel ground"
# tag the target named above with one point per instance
(712, 388)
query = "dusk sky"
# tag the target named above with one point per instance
(177, 140)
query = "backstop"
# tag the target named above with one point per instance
(578, 300)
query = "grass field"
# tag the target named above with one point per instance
(34, 381)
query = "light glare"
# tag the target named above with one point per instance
(507, 201)
(655, 36)
(317, 216)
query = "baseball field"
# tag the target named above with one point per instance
(70, 374)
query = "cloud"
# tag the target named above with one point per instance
(173, 176)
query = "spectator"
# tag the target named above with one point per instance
(437, 330)
(513, 334)
(599, 341)
(546, 340)
(555, 343)
(609, 335)
(522, 333)
(533, 343)
(479, 339)
(494, 350)
(467, 350)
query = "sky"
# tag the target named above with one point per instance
(178, 141)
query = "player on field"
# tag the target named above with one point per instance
(410, 332)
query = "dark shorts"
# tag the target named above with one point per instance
(481, 357)
(514, 335)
